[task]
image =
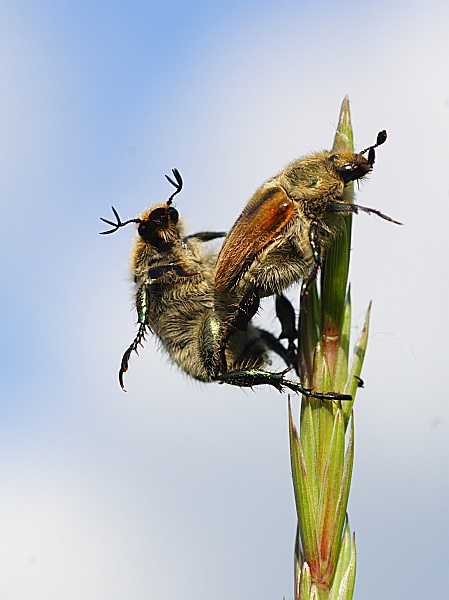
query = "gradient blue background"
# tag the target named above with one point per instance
(177, 489)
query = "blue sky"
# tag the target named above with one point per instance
(177, 489)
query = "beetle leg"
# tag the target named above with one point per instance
(317, 250)
(157, 272)
(286, 315)
(246, 310)
(142, 320)
(274, 345)
(252, 377)
(205, 236)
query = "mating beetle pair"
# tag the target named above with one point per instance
(201, 307)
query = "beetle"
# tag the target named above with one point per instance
(281, 236)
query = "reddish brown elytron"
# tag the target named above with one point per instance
(256, 227)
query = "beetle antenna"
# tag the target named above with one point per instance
(381, 139)
(116, 226)
(177, 184)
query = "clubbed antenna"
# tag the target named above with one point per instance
(381, 139)
(116, 226)
(177, 184)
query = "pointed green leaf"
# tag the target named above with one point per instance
(345, 333)
(330, 522)
(305, 506)
(309, 328)
(309, 445)
(315, 593)
(341, 504)
(346, 588)
(356, 364)
(340, 377)
(297, 565)
(323, 411)
(305, 583)
(344, 579)
(333, 285)
(334, 274)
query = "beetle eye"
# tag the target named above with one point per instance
(349, 172)
(173, 214)
(354, 170)
(347, 168)
(145, 230)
